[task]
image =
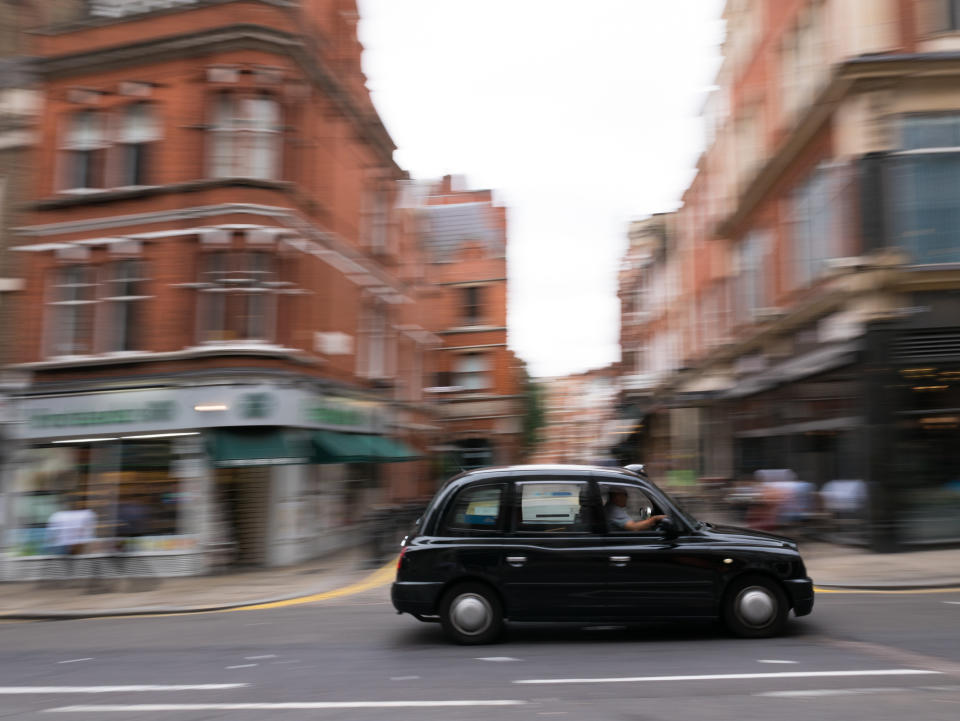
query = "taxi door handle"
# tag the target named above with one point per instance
(620, 560)
(516, 560)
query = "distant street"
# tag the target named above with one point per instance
(859, 656)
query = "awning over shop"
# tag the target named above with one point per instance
(242, 447)
(389, 450)
(334, 447)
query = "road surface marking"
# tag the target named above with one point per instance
(281, 706)
(772, 660)
(496, 659)
(404, 678)
(895, 591)
(289, 660)
(5, 690)
(815, 692)
(737, 676)
(242, 665)
(254, 658)
(954, 603)
(76, 660)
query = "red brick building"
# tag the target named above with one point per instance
(802, 311)
(220, 309)
(476, 380)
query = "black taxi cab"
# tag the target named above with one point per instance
(583, 543)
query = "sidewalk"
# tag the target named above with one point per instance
(831, 567)
(30, 600)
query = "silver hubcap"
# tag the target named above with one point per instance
(756, 606)
(471, 614)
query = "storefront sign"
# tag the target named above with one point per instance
(178, 409)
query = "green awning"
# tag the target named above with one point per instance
(389, 450)
(334, 447)
(242, 447)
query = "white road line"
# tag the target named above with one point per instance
(242, 665)
(282, 706)
(496, 659)
(254, 658)
(404, 678)
(736, 676)
(772, 660)
(816, 692)
(953, 603)
(76, 660)
(6, 690)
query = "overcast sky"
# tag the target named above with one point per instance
(581, 115)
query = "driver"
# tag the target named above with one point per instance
(618, 518)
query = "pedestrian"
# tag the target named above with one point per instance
(68, 533)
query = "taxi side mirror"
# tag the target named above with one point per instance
(668, 528)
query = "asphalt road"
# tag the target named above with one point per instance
(858, 656)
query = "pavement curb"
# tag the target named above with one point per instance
(891, 586)
(42, 615)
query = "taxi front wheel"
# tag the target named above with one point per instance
(755, 607)
(471, 614)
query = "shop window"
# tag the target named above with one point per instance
(472, 371)
(138, 133)
(84, 149)
(238, 300)
(472, 304)
(124, 299)
(73, 305)
(245, 136)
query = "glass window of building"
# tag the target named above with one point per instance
(472, 307)
(124, 299)
(84, 151)
(245, 137)
(472, 371)
(139, 131)
(72, 310)
(238, 295)
(924, 205)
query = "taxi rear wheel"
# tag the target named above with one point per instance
(755, 607)
(471, 614)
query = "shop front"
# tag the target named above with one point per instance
(185, 479)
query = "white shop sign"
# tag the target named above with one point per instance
(158, 411)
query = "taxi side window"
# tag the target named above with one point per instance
(622, 503)
(553, 506)
(475, 510)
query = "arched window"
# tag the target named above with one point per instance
(245, 136)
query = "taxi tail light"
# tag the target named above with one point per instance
(403, 552)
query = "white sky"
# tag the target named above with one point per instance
(581, 115)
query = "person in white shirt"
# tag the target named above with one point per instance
(618, 518)
(70, 530)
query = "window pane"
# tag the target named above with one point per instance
(554, 506)
(476, 509)
(930, 131)
(926, 207)
(625, 503)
